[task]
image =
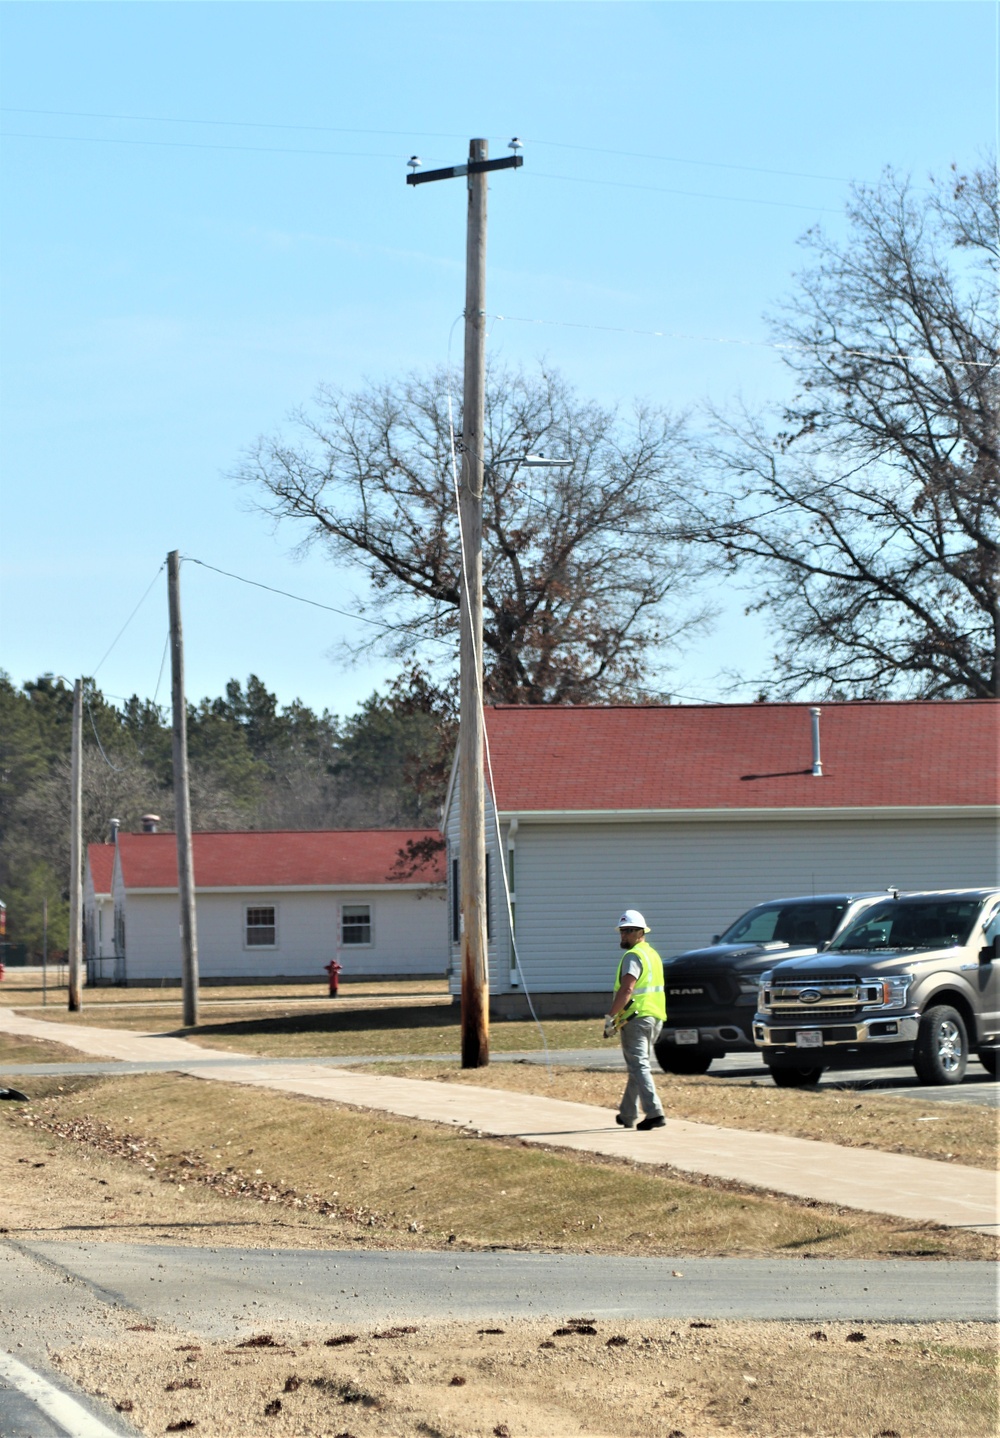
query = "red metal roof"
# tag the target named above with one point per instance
(101, 858)
(744, 756)
(281, 858)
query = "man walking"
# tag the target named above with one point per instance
(637, 1014)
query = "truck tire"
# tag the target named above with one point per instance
(674, 1060)
(941, 1052)
(988, 1059)
(797, 1077)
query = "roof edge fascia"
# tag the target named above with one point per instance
(287, 888)
(747, 816)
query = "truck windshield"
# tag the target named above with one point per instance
(801, 924)
(911, 924)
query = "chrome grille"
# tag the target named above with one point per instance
(803, 1012)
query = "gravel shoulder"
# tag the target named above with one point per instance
(576, 1377)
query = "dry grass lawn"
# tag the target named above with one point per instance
(654, 1379)
(142, 1157)
(350, 1026)
(23, 989)
(959, 1133)
(17, 1050)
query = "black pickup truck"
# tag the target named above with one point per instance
(915, 979)
(712, 992)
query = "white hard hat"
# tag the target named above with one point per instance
(632, 919)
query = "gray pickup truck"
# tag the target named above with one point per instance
(914, 980)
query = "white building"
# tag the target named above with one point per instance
(272, 905)
(103, 965)
(694, 814)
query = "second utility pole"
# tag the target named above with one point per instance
(472, 850)
(182, 799)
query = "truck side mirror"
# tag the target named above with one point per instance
(822, 946)
(991, 952)
(716, 938)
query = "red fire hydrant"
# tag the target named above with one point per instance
(333, 969)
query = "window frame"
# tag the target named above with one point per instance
(250, 948)
(351, 944)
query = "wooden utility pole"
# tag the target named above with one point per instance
(472, 809)
(76, 850)
(182, 799)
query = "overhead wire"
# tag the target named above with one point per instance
(128, 621)
(886, 355)
(299, 598)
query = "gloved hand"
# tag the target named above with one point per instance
(610, 1026)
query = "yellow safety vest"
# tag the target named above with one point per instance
(648, 999)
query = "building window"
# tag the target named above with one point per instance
(355, 924)
(261, 932)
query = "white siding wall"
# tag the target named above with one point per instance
(408, 935)
(500, 960)
(692, 879)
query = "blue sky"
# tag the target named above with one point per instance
(205, 216)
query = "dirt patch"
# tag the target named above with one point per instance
(688, 1380)
(171, 1157)
(950, 1133)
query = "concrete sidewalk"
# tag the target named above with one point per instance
(952, 1195)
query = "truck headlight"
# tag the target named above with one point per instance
(887, 993)
(764, 991)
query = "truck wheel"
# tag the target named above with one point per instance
(942, 1048)
(797, 1078)
(674, 1060)
(988, 1059)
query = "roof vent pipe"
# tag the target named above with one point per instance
(150, 823)
(817, 768)
(115, 826)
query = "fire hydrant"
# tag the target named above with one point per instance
(333, 969)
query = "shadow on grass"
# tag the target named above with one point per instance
(349, 1021)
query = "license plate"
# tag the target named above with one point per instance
(808, 1038)
(685, 1036)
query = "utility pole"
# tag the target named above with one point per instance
(76, 850)
(182, 799)
(472, 809)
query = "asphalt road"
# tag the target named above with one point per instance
(59, 1293)
(218, 1293)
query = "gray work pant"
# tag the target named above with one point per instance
(638, 1037)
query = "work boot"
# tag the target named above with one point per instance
(625, 1122)
(654, 1120)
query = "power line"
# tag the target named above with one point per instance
(428, 134)
(887, 355)
(690, 194)
(201, 145)
(344, 613)
(128, 621)
(230, 124)
(684, 160)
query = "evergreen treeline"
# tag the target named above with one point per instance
(254, 765)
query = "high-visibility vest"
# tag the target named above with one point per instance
(648, 999)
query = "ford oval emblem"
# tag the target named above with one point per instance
(809, 996)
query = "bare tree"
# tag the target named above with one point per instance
(871, 515)
(580, 564)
